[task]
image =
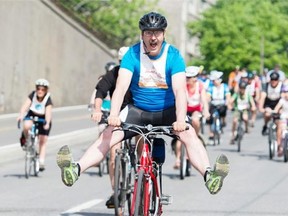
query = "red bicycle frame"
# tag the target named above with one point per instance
(149, 184)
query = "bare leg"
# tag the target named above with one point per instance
(42, 147)
(196, 152)
(96, 152)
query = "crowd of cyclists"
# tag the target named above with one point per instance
(244, 91)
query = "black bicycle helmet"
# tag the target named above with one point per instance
(242, 85)
(109, 66)
(274, 76)
(250, 75)
(152, 21)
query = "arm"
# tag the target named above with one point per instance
(232, 100)
(48, 116)
(122, 85)
(179, 89)
(261, 101)
(25, 107)
(252, 103)
(106, 84)
(204, 100)
(278, 107)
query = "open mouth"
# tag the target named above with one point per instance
(153, 45)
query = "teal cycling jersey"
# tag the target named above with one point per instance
(151, 84)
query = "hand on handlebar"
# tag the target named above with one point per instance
(96, 116)
(179, 126)
(114, 121)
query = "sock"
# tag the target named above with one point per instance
(79, 169)
(208, 170)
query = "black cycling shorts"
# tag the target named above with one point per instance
(134, 115)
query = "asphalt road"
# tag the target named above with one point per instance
(254, 186)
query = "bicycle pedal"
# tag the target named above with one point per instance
(166, 199)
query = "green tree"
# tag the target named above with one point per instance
(232, 32)
(115, 22)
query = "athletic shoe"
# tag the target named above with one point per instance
(69, 169)
(110, 202)
(41, 167)
(264, 130)
(215, 177)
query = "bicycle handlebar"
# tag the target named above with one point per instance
(35, 119)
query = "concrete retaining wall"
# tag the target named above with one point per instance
(39, 41)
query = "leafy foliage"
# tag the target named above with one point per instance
(231, 33)
(115, 22)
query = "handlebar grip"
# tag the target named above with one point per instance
(18, 124)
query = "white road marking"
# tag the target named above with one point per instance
(82, 206)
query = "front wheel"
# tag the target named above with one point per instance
(271, 140)
(240, 133)
(28, 165)
(285, 148)
(183, 162)
(140, 193)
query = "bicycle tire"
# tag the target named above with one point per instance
(35, 158)
(183, 162)
(101, 168)
(119, 185)
(285, 148)
(240, 136)
(28, 163)
(140, 193)
(271, 142)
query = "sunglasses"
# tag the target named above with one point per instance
(43, 89)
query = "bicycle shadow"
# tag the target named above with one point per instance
(19, 176)
(86, 214)
(174, 176)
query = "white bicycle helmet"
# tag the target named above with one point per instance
(42, 82)
(192, 71)
(215, 75)
(122, 51)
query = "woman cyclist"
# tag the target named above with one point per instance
(196, 105)
(38, 104)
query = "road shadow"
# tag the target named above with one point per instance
(86, 214)
(19, 176)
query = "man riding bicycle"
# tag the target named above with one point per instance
(269, 99)
(155, 72)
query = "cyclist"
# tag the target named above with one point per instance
(108, 67)
(276, 69)
(155, 73)
(219, 97)
(197, 103)
(233, 79)
(269, 98)
(282, 108)
(241, 101)
(253, 88)
(38, 103)
(107, 85)
(203, 77)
